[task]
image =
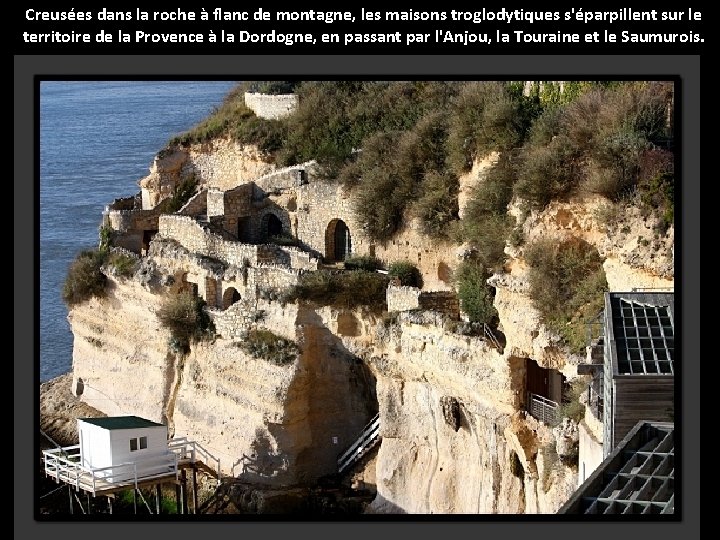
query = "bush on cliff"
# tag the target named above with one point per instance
(567, 285)
(341, 290)
(265, 344)
(406, 273)
(85, 278)
(184, 315)
(476, 296)
(362, 262)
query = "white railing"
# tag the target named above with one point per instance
(190, 450)
(369, 437)
(490, 336)
(542, 408)
(64, 465)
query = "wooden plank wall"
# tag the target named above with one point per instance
(641, 398)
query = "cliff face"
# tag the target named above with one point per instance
(455, 434)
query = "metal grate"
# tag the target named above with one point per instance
(542, 408)
(644, 485)
(645, 338)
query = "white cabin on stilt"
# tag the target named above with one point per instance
(118, 440)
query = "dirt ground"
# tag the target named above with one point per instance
(59, 410)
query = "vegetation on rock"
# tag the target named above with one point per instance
(265, 344)
(85, 278)
(341, 290)
(567, 282)
(406, 273)
(184, 315)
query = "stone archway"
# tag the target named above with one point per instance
(230, 297)
(338, 243)
(271, 226)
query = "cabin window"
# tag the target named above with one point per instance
(136, 443)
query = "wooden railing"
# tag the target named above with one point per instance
(542, 408)
(64, 465)
(369, 437)
(190, 450)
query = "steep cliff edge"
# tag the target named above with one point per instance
(458, 431)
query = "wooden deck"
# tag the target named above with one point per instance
(63, 464)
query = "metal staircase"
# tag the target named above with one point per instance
(367, 440)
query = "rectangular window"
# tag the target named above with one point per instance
(143, 442)
(133, 444)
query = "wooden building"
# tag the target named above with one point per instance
(639, 362)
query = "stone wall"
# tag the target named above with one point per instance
(401, 298)
(267, 278)
(192, 236)
(445, 302)
(271, 106)
(198, 204)
(231, 323)
(129, 227)
(225, 164)
(320, 205)
(286, 178)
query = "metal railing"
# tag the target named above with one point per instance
(542, 408)
(369, 437)
(490, 336)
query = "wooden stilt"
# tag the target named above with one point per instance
(135, 500)
(178, 499)
(194, 492)
(183, 492)
(158, 496)
(110, 505)
(89, 503)
(70, 497)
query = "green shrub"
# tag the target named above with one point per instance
(593, 143)
(107, 236)
(656, 186)
(269, 135)
(123, 264)
(85, 278)
(184, 315)
(485, 223)
(182, 194)
(567, 285)
(403, 170)
(570, 406)
(485, 116)
(269, 346)
(406, 272)
(341, 290)
(362, 262)
(476, 297)
(382, 196)
(437, 205)
(548, 172)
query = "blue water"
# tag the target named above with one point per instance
(97, 139)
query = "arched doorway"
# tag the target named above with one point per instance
(230, 296)
(338, 244)
(272, 226)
